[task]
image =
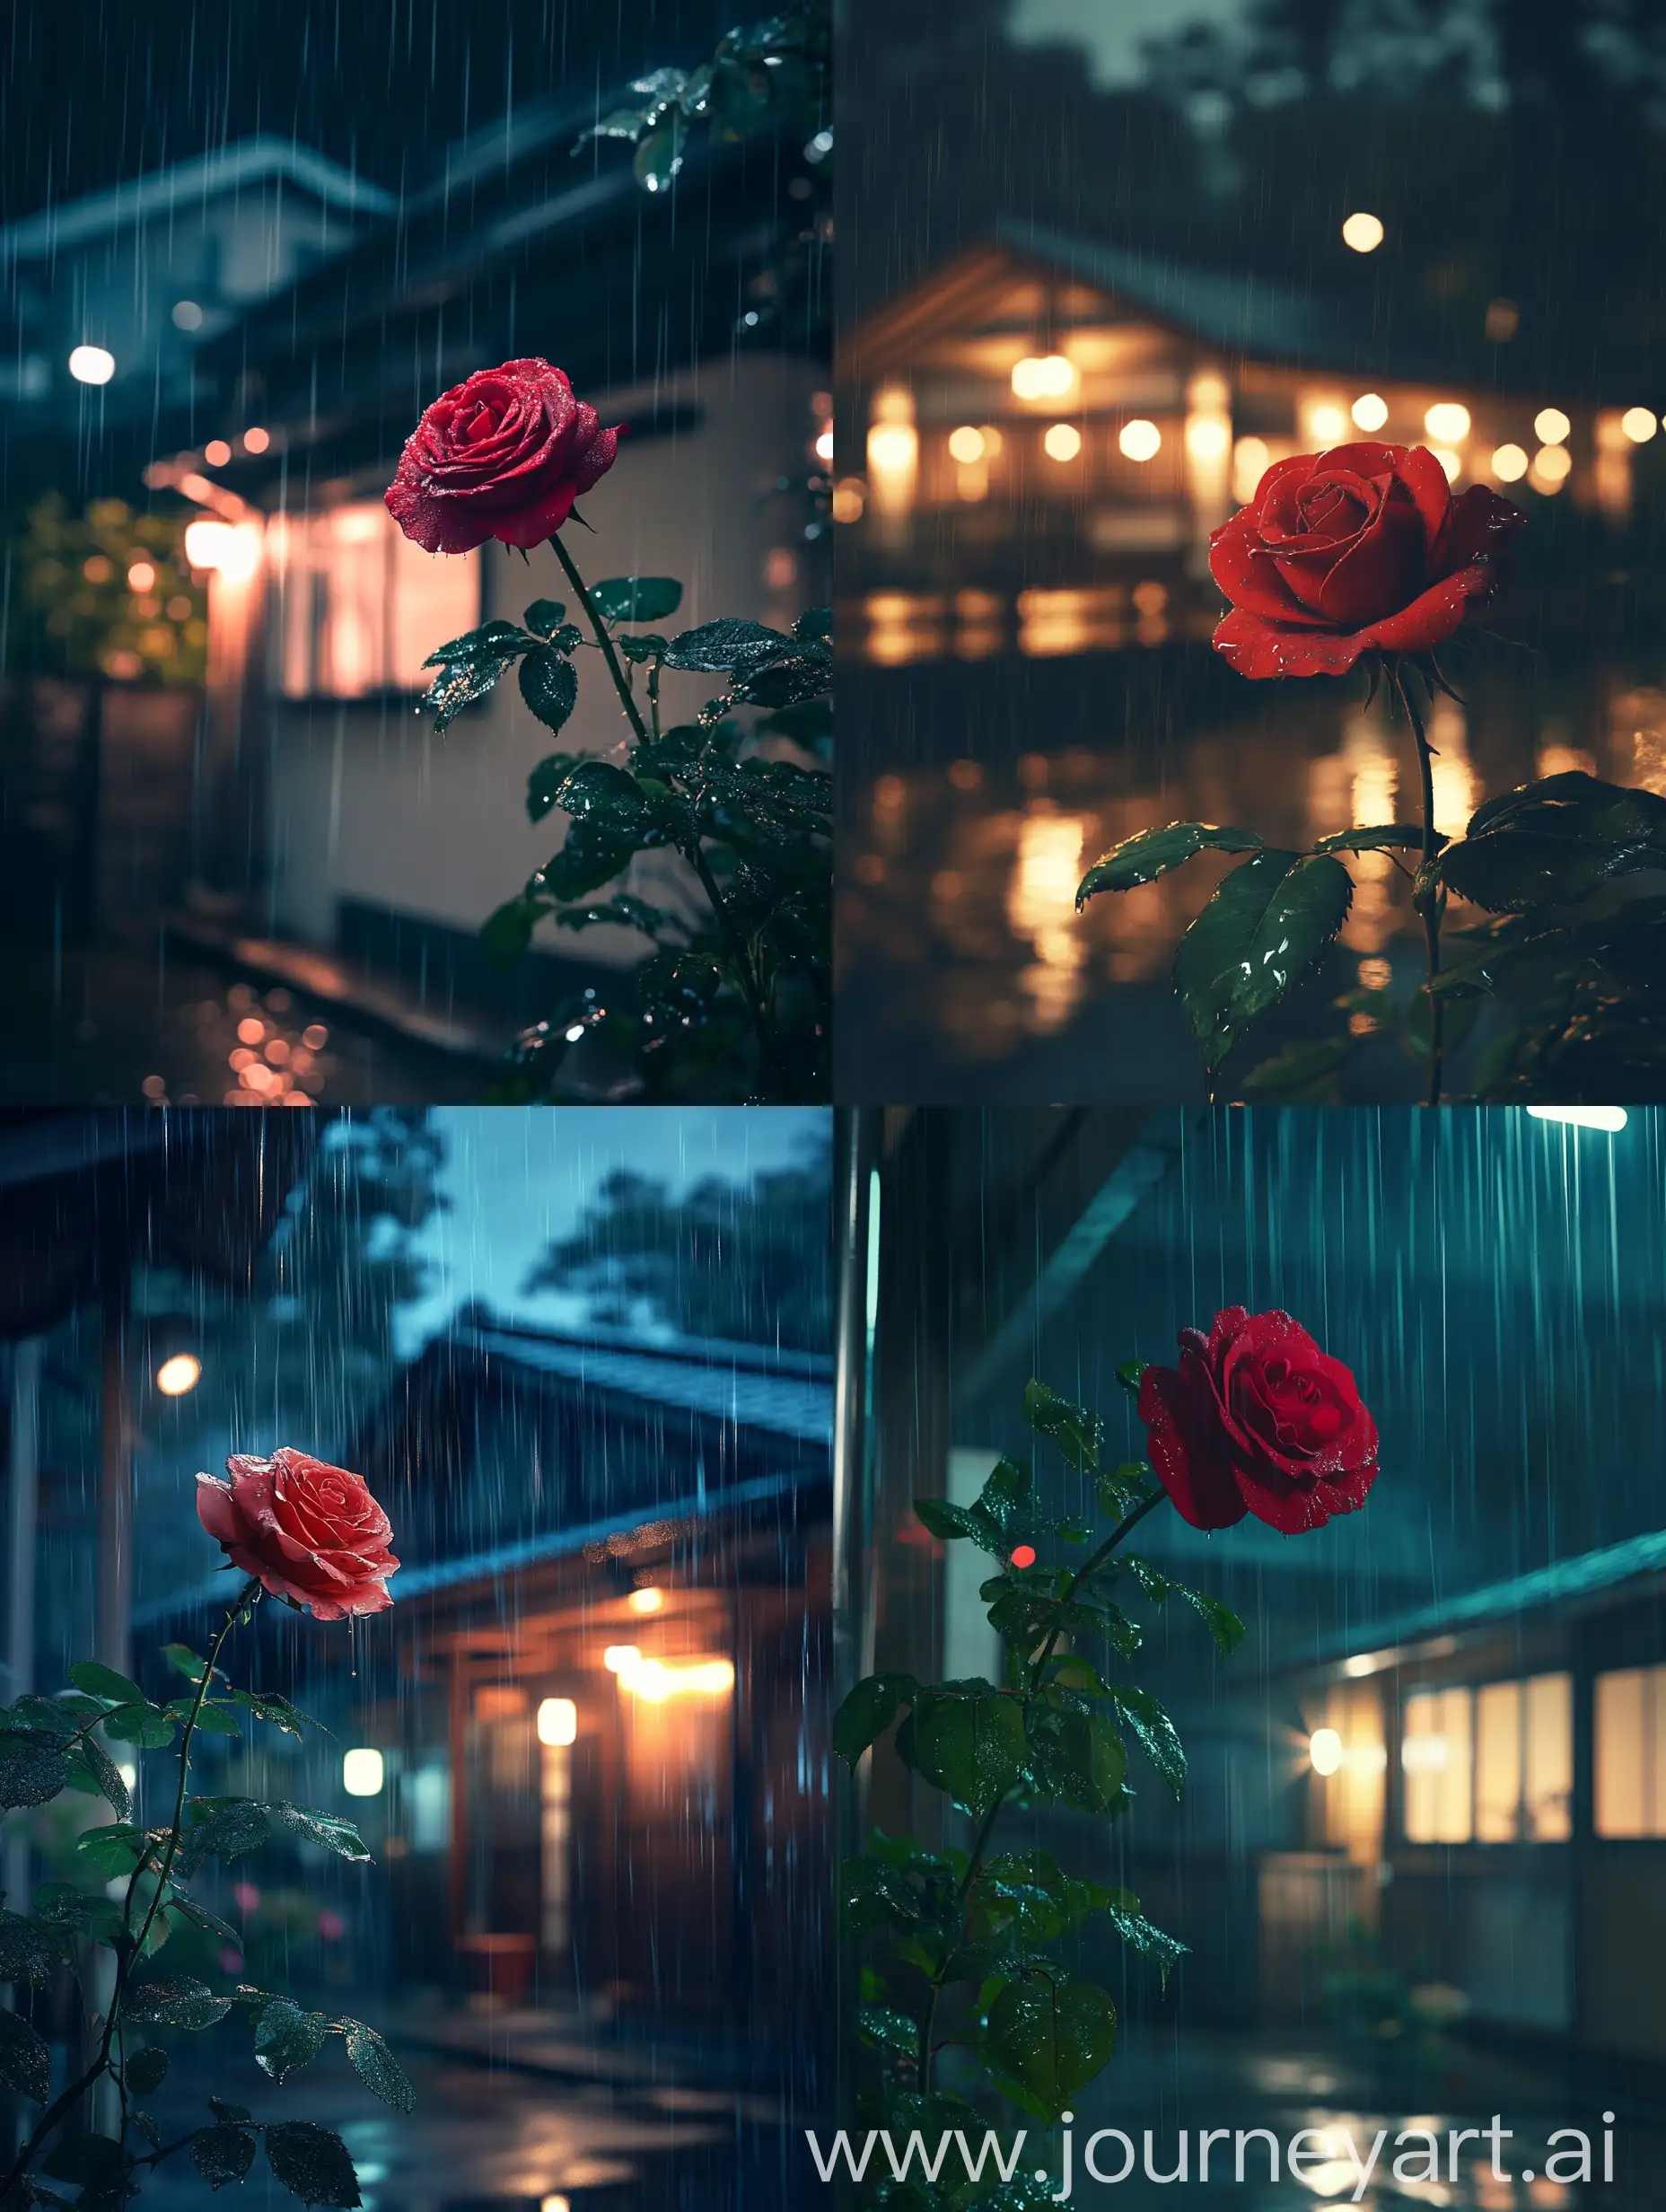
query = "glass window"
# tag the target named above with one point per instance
(1547, 1794)
(1631, 1752)
(1436, 1757)
(357, 608)
(1498, 1761)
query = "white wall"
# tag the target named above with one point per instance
(366, 802)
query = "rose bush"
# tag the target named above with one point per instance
(313, 1533)
(1358, 549)
(1257, 1420)
(503, 455)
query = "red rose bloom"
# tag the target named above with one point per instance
(1362, 548)
(313, 1534)
(504, 455)
(1257, 1420)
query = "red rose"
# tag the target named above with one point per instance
(1257, 1420)
(1358, 549)
(313, 1534)
(504, 455)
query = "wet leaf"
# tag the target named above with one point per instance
(1090, 1760)
(886, 2029)
(1510, 869)
(715, 649)
(1391, 837)
(88, 2158)
(102, 1681)
(139, 1724)
(969, 1745)
(145, 2070)
(1047, 2035)
(868, 1711)
(1269, 921)
(177, 2002)
(312, 2163)
(378, 2068)
(947, 1521)
(1073, 1429)
(507, 932)
(637, 599)
(549, 686)
(221, 2155)
(25, 2062)
(322, 1828)
(30, 1773)
(1151, 853)
(544, 617)
(1148, 1723)
(108, 1776)
(27, 1952)
(286, 2037)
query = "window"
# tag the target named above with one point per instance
(1491, 1766)
(357, 608)
(1631, 1752)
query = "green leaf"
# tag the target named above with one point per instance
(1150, 1724)
(145, 2122)
(637, 599)
(269, 1706)
(178, 2002)
(1392, 836)
(184, 1661)
(1151, 853)
(25, 2062)
(139, 1724)
(27, 1952)
(88, 2158)
(716, 648)
(1269, 921)
(1129, 1374)
(378, 2068)
(1510, 869)
(212, 1716)
(1046, 2036)
(335, 1834)
(61, 1905)
(1073, 1429)
(545, 616)
(147, 2069)
(221, 1828)
(102, 1681)
(493, 641)
(312, 2163)
(1090, 1760)
(108, 1776)
(221, 2155)
(969, 1745)
(814, 623)
(874, 1895)
(1124, 1487)
(112, 1850)
(1008, 1497)
(230, 2113)
(286, 2037)
(201, 1917)
(506, 933)
(549, 686)
(1137, 1932)
(546, 780)
(779, 684)
(1223, 1624)
(595, 851)
(885, 2029)
(947, 1522)
(30, 1773)
(868, 1711)
(659, 155)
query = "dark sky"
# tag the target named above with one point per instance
(96, 91)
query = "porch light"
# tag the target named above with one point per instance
(1510, 464)
(646, 1600)
(966, 443)
(558, 1721)
(1325, 423)
(1042, 376)
(1363, 233)
(1447, 421)
(1638, 424)
(1370, 411)
(1609, 1118)
(1324, 1751)
(362, 1773)
(179, 1374)
(653, 1681)
(1551, 425)
(1139, 440)
(223, 547)
(91, 364)
(1063, 442)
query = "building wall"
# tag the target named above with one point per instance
(366, 804)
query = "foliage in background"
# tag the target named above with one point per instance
(133, 1888)
(745, 1261)
(733, 1001)
(70, 610)
(967, 1952)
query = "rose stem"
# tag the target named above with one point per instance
(1429, 898)
(750, 987)
(56, 2111)
(1124, 1528)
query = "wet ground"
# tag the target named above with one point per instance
(980, 794)
(118, 1024)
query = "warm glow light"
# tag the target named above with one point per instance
(362, 1773)
(1451, 462)
(1551, 425)
(1370, 410)
(555, 2204)
(1551, 464)
(1509, 464)
(141, 577)
(91, 364)
(824, 445)
(1609, 1118)
(647, 1601)
(620, 1658)
(234, 552)
(1362, 1663)
(1208, 437)
(1042, 376)
(1249, 460)
(256, 439)
(1326, 423)
(655, 1680)
(1139, 440)
(1063, 442)
(179, 1374)
(1024, 1555)
(1447, 421)
(216, 453)
(1363, 233)
(1638, 424)
(558, 1721)
(1325, 1751)
(966, 443)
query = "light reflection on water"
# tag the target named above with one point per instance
(960, 884)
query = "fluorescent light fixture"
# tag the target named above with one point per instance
(1609, 1118)
(558, 1721)
(363, 1772)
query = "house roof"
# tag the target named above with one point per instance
(1563, 1583)
(251, 162)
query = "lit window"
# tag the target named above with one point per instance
(1631, 1752)
(1436, 1756)
(359, 607)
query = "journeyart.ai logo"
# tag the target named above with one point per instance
(1323, 2159)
